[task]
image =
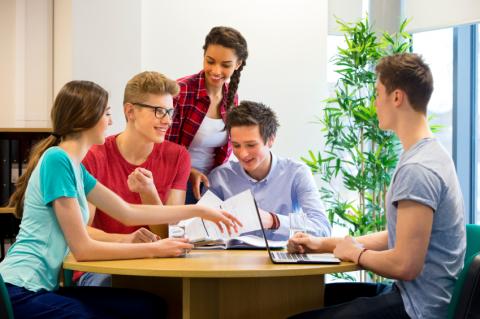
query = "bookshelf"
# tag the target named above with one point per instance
(15, 145)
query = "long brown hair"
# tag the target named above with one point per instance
(78, 106)
(232, 39)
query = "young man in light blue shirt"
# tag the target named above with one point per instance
(280, 186)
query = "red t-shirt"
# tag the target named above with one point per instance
(168, 162)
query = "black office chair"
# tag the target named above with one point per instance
(6, 310)
(458, 304)
(9, 226)
(469, 302)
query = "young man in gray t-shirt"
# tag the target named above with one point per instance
(424, 245)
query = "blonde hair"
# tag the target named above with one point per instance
(148, 82)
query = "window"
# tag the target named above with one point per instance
(333, 42)
(477, 217)
(436, 47)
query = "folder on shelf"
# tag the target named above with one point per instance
(4, 171)
(14, 163)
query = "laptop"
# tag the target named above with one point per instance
(280, 257)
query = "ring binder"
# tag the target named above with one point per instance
(15, 144)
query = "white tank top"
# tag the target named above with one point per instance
(210, 135)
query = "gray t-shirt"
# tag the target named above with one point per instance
(426, 174)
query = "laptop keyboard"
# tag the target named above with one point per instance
(288, 256)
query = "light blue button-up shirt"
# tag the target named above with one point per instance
(288, 187)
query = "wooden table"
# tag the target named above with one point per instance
(221, 284)
(7, 210)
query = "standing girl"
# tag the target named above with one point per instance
(203, 102)
(51, 197)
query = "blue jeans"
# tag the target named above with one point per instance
(359, 301)
(189, 197)
(91, 279)
(85, 302)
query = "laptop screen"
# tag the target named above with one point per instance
(261, 227)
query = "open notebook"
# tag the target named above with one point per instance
(206, 235)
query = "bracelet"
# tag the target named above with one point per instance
(360, 255)
(276, 221)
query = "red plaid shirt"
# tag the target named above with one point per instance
(191, 106)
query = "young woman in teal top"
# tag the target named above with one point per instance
(51, 198)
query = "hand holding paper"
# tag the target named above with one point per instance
(239, 210)
(221, 217)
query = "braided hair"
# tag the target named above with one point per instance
(232, 39)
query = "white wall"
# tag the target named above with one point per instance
(25, 62)
(106, 47)
(436, 14)
(345, 10)
(38, 63)
(287, 55)
(108, 41)
(62, 44)
(7, 62)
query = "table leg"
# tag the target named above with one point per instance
(198, 298)
(251, 297)
(170, 289)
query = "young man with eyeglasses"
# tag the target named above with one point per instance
(138, 164)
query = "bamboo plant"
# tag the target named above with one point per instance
(358, 156)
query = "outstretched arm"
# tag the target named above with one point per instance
(141, 235)
(376, 241)
(130, 214)
(404, 261)
(406, 258)
(83, 247)
(303, 243)
(175, 197)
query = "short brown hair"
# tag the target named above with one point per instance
(409, 73)
(148, 82)
(249, 113)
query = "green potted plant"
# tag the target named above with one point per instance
(358, 159)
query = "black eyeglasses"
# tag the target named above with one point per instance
(160, 112)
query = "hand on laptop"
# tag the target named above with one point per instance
(303, 243)
(348, 249)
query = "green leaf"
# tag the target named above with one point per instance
(357, 156)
